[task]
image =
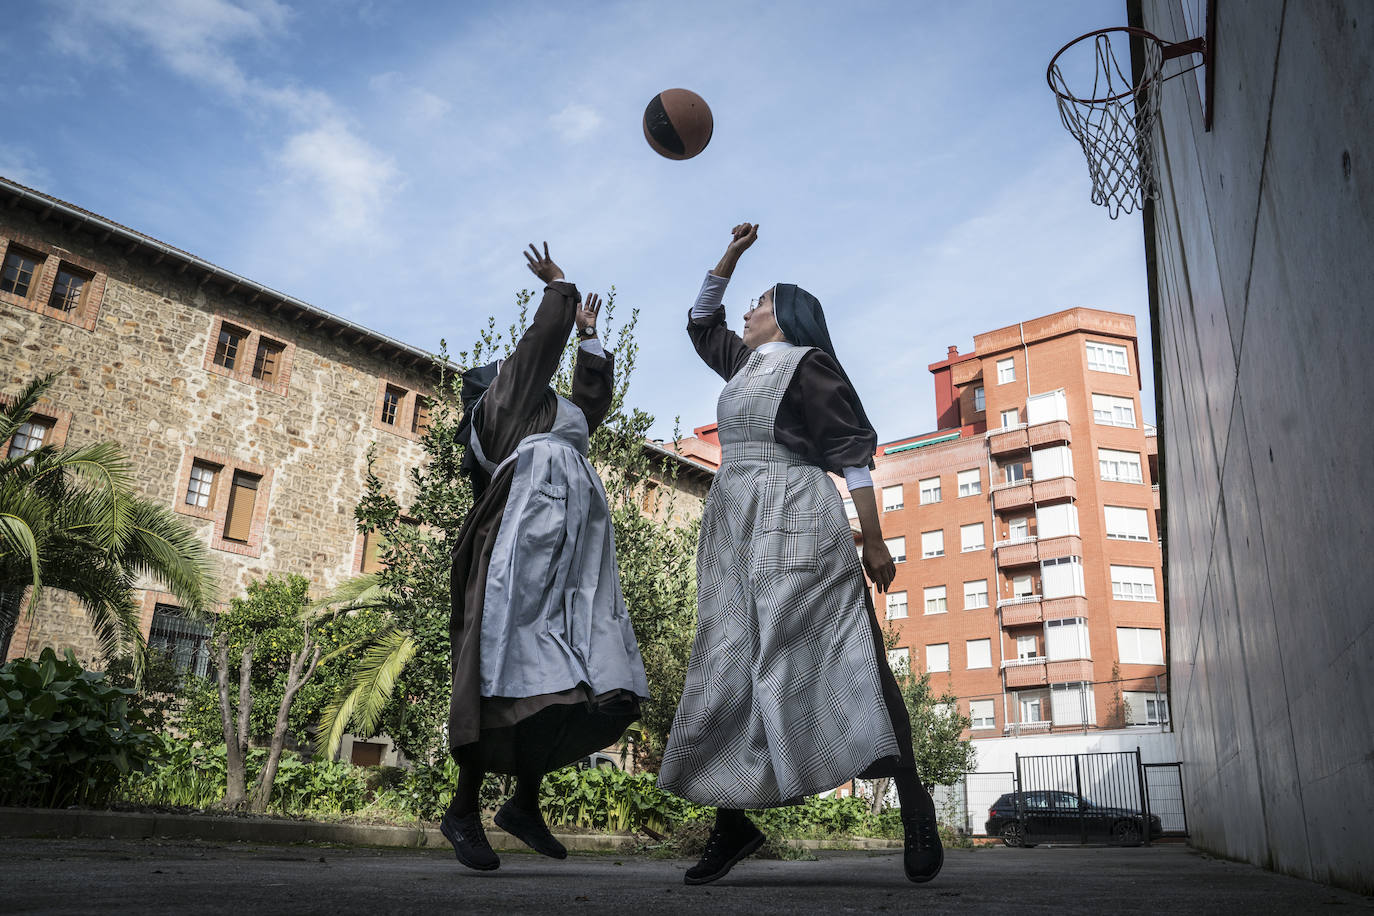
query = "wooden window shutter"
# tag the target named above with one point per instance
(243, 499)
(268, 361)
(372, 546)
(419, 423)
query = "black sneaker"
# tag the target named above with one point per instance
(924, 854)
(469, 841)
(530, 829)
(724, 848)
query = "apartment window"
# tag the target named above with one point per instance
(937, 657)
(1033, 706)
(243, 499)
(970, 483)
(1133, 583)
(29, 437)
(1103, 357)
(1018, 529)
(932, 544)
(975, 594)
(979, 653)
(1006, 371)
(20, 271)
(1073, 704)
(892, 498)
(186, 641)
(1025, 647)
(899, 660)
(930, 491)
(200, 492)
(1047, 407)
(419, 423)
(1014, 473)
(267, 362)
(936, 601)
(1056, 461)
(982, 714)
(971, 537)
(896, 605)
(1056, 521)
(1022, 587)
(1109, 410)
(1127, 524)
(1137, 646)
(68, 289)
(227, 347)
(979, 400)
(1119, 466)
(391, 404)
(897, 548)
(1011, 417)
(1143, 708)
(1067, 639)
(849, 509)
(1062, 577)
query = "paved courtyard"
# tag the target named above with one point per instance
(149, 876)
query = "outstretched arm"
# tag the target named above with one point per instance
(593, 382)
(718, 346)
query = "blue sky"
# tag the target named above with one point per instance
(389, 161)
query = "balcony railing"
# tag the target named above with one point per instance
(1012, 602)
(1004, 429)
(1012, 542)
(1022, 728)
(1008, 484)
(1022, 662)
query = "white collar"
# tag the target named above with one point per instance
(772, 346)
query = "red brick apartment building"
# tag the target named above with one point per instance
(1025, 531)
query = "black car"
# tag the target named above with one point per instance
(1050, 816)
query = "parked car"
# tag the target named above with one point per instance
(1051, 815)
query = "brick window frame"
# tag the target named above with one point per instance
(54, 259)
(59, 423)
(405, 410)
(218, 510)
(247, 356)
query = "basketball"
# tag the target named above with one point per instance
(678, 124)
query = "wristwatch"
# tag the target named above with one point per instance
(587, 333)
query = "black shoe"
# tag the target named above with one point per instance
(724, 848)
(530, 829)
(924, 854)
(469, 841)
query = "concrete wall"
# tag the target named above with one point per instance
(1261, 247)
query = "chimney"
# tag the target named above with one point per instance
(953, 352)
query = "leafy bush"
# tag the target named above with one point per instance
(611, 799)
(67, 736)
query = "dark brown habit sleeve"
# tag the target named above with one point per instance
(593, 383)
(718, 346)
(818, 417)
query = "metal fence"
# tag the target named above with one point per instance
(1082, 798)
(1164, 796)
(964, 805)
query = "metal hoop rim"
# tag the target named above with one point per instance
(1129, 30)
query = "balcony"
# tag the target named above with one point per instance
(1024, 672)
(1020, 611)
(1051, 433)
(1012, 495)
(1018, 554)
(1069, 545)
(1055, 488)
(1062, 608)
(1016, 729)
(1155, 489)
(1079, 669)
(1007, 439)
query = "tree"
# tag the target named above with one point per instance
(70, 519)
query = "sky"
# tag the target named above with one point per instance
(388, 162)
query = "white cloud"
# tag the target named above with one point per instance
(415, 103)
(17, 164)
(350, 179)
(576, 123)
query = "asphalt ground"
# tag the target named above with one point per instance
(162, 876)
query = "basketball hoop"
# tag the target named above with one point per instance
(1114, 121)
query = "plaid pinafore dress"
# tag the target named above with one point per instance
(782, 698)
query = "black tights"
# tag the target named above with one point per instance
(466, 797)
(911, 795)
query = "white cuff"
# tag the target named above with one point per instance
(857, 478)
(592, 345)
(709, 299)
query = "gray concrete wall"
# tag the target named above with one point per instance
(1263, 242)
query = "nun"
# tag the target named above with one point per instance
(546, 669)
(788, 690)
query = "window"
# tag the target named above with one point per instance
(1056, 461)
(970, 483)
(979, 653)
(1047, 407)
(1018, 529)
(1073, 704)
(1056, 521)
(1109, 410)
(975, 594)
(243, 499)
(1006, 370)
(899, 660)
(971, 537)
(849, 509)
(29, 437)
(267, 363)
(186, 641)
(227, 347)
(982, 714)
(1127, 524)
(419, 423)
(1137, 646)
(200, 492)
(896, 605)
(932, 544)
(1144, 708)
(1014, 473)
(1011, 417)
(936, 601)
(1022, 587)
(68, 289)
(1061, 578)
(1033, 706)
(979, 401)
(1103, 357)
(20, 271)
(1066, 639)
(896, 547)
(372, 550)
(1025, 647)
(391, 404)
(892, 498)
(1119, 466)
(1133, 583)
(930, 491)
(937, 657)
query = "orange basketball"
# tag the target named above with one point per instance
(678, 123)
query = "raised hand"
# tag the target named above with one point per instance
(742, 236)
(588, 311)
(542, 266)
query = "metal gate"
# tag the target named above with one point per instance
(1086, 798)
(1164, 796)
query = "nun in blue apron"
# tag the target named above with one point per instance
(788, 690)
(546, 669)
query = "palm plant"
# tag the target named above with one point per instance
(70, 520)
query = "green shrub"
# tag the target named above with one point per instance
(67, 736)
